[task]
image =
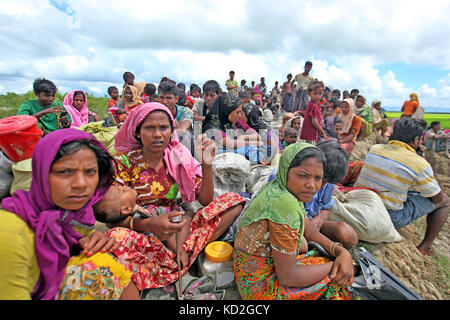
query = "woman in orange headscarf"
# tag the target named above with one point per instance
(409, 107)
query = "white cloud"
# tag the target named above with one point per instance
(194, 41)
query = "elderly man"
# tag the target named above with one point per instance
(393, 168)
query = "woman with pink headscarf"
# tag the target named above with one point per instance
(76, 104)
(158, 166)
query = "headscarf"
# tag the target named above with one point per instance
(290, 121)
(363, 107)
(54, 235)
(181, 165)
(274, 201)
(348, 119)
(136, 98)
(79, 117)
(217, 118)
(254, 117)
(414, 97)
(376, 114)
(374, 102)
(286, 117)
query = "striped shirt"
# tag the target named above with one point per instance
(392, 168)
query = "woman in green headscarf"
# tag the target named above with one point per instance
(364, 111)
(267, 264)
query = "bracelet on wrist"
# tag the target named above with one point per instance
(131, 223)
(333, 248)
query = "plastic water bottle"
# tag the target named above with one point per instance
(217, 258)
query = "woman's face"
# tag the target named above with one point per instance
(210, 97)
(155, 131)
(345, 107)
(304, 181)
(359, 102)
(234, 116)
(73, 179)
(78, 101)
(296, 124)
(128, 95)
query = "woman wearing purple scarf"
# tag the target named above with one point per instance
(44, 230)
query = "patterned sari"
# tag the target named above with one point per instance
(274, 220)
(154, 265)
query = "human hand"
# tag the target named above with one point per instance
(342, 271)
(64, 119)
(184, 258)
(162, 226)
(205, 149)
(54, 110)
(98, 241)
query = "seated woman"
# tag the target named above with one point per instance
(436, 140)
(410, 106)
(158, 166)
(130, 100)
(47, 237)
(351, 125)
(270, 232)
(223, 124)
(51, 114)
(363, 110)
(252, 116)
(296, 122)
(379, 122)
(76, 104)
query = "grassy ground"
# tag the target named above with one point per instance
(444, 118)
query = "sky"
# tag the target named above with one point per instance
(387, 49)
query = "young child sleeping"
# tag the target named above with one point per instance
(119, 203)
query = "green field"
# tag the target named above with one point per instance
(444, 118)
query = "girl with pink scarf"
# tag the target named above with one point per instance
(76, 104)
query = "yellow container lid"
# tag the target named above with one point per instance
(218, 251)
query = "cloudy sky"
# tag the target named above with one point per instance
(387, 49)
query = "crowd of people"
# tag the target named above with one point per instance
(165, 143)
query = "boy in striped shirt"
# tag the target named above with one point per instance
(393, 168)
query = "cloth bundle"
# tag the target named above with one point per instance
(365, 212)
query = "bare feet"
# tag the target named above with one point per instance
(427, 251)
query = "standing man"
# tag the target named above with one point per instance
(232, 85)
(393, 168)
(286, 94)
(302, 80)
(275, 93)
(262, 87)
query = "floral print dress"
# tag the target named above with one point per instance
(152, 264)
